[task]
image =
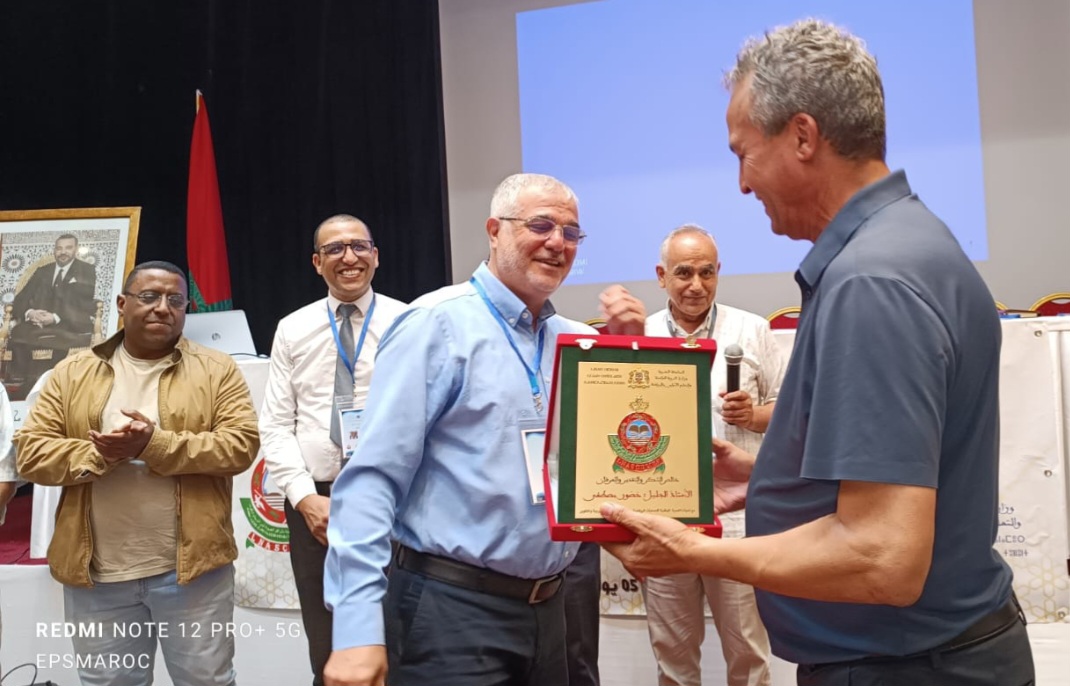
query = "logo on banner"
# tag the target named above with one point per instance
(265, 514)
(638, 443)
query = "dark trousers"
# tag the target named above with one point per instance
(1003, 660)
(445, 635)
(583, 594)
(307, 557)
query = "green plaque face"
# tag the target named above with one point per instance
(632, 427)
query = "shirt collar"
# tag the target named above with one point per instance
(704, 331)
(862, 205)
(505, 301)
(363, 302)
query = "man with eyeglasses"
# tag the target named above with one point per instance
(144, 433)
(323, 354)
(473, 597)
(688, 272)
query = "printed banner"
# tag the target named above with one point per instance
(263, 577)
(621, 594)
(1032, 535)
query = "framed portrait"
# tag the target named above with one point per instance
(60, 273)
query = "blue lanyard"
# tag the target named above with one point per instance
(351, 366)
(533, 377)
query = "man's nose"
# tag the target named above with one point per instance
(744, 187)
(555, 240)
(349, 255)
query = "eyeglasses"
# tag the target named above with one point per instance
(540, 226)
(359, 246)
(175, 301)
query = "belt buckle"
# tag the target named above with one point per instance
(533, 597)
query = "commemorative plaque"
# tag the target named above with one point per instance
(629, 423)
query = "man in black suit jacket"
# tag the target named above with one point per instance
(55, 308)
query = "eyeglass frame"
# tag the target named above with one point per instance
(546, 234)
(166, 297)
(348, 245)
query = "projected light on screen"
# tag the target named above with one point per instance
(622, 99)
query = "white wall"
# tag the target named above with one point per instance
(1023, 56)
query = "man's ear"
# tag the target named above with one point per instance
(317, 263)
(660, 271)
(493, 228)
(807, 135)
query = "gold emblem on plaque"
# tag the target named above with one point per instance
(639, 378)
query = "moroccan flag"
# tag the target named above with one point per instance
(206, 246)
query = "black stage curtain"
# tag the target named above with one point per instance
(317, 107)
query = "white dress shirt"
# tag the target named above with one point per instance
(59, 273)
(760, 374)
(295, 420)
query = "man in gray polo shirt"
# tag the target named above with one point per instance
(872, 511)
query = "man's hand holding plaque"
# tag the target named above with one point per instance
(731, 475)
(662, 544)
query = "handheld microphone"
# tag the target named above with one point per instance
(733, 356)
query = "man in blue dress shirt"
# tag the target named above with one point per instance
(872, 510)
(473, 596)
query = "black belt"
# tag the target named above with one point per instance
(476, 578)
(991, 625)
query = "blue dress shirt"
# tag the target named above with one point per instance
(440, 462)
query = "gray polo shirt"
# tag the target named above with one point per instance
(894, 378)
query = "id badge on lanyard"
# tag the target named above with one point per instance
(532, 440)
(349, 419)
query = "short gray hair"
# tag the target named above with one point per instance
(504, 201)
(820, 69)
(681, 230)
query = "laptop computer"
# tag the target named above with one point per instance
(226, 331)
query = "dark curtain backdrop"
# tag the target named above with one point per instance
(316, 107)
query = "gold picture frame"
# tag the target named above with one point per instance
(48, 313)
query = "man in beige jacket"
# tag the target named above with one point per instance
(144, 433)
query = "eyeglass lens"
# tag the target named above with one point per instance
(572, 234)
(174, 300)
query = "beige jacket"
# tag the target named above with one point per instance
(207, 434)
